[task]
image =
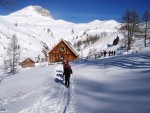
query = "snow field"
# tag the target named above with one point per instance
(117, 84)
(38, 93)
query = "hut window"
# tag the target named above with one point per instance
(62, 48)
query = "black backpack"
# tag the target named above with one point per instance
(70, 71)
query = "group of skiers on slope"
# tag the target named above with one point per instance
(111, 53)
(67, 73)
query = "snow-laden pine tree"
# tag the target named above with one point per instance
(13, 54)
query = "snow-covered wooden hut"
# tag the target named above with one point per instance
(28, 63)
(62, 51)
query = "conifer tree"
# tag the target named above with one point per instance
(13, 53)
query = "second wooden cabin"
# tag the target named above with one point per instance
(28, 63)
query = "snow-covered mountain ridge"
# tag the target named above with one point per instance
(34, 26)
(32, 11)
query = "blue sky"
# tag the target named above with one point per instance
(82, 11)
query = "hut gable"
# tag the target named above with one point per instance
(62, 51)
(28, 63)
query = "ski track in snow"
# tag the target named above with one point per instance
(54, 98)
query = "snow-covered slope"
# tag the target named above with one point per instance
(117, 84)
(29, 36)
(34, 25)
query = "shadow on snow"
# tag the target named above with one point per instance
(125, 61)
(124, 94)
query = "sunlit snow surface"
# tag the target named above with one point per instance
(117, 84)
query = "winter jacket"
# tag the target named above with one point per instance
(67, 69)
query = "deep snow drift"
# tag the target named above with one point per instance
(118, 84)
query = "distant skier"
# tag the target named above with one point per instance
(67, 73)
(109, 53)
(114, 52)
(105, 53)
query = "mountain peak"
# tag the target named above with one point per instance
(32, 11)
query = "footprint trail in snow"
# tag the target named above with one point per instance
(54, 98)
